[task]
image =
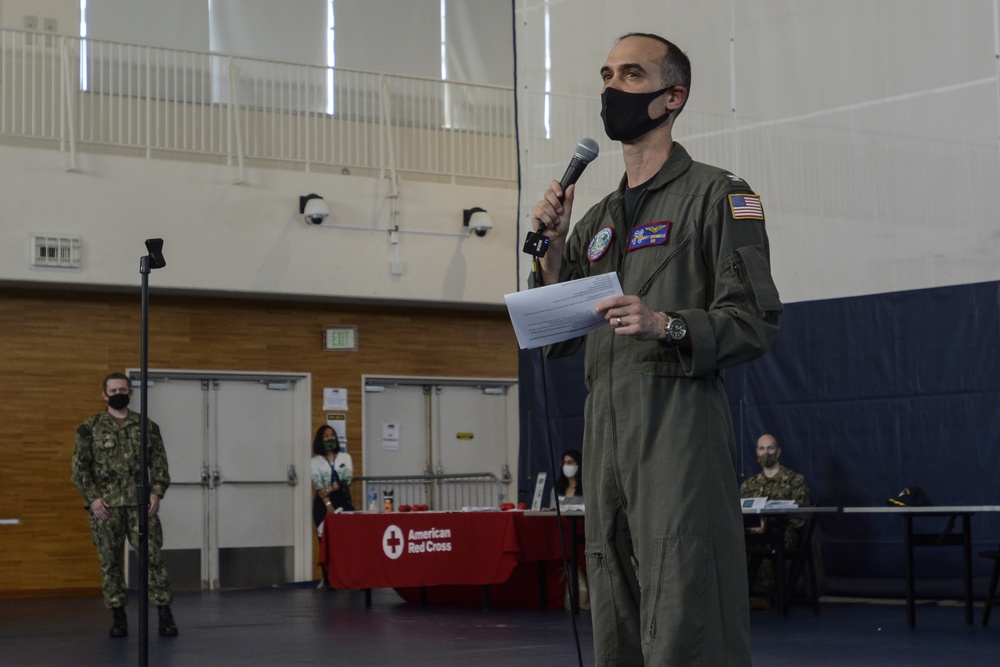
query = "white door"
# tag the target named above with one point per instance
(471, 429)
(235, 514)
(397, 437)
(418, 426)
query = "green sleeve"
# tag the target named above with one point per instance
(159, 474)
(83, 465)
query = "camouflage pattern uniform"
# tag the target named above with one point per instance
(785, 485)
(106, 465)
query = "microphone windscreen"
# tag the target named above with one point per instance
(586, 150)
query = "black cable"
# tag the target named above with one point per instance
(574, 595)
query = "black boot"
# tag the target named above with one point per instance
(167, 627)
(119, 623)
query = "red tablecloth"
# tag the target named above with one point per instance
(401, 550)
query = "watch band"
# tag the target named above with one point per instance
(675, 329)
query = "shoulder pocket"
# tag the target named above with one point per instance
(752, 270)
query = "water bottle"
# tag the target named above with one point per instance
(372, 499)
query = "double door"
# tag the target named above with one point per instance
(237, 446)
(421, 426)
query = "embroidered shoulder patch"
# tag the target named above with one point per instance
(737, 180)
(746, 207)
(651, 233)
(600, 243)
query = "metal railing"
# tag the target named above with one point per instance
(92, 93)
(438, 492)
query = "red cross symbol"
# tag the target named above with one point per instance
(392, 542)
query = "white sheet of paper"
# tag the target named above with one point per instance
(334, 398)
(555, 313)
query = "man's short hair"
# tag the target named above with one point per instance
(675, 67)
(116, 376)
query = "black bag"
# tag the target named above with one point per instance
(911, 496)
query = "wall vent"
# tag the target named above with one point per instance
(61, 252)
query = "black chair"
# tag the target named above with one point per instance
(799, 557)
(992, 594)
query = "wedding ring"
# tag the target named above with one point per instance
(619, 321)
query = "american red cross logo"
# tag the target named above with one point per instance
(392, 542)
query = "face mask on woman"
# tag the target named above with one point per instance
(570, 470)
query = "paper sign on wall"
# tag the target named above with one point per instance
(390, 437)
(335, 398)
(339, 425)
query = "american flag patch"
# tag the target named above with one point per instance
(746, 207)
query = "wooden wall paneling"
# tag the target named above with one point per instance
(57, 346)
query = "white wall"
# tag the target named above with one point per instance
(249, 238)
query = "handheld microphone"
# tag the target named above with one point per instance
(584, 153)
(537, 244)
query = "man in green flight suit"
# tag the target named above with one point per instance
(665, 549)
(106, 472)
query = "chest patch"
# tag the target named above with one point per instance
(649, 234)
(600, 243)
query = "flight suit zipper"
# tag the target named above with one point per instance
(623, 255)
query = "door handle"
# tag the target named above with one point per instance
(293, 478)
(216, 475)
(204, 475)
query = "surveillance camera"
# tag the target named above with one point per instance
(314, 209)
(478, 221)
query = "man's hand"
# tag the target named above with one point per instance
(629, 316)
(553, 212)
(100, 509)
(154, 504)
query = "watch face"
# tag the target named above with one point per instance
(676, 328)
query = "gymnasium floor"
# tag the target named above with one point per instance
(295, 625)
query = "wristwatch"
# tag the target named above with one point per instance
(675, 329)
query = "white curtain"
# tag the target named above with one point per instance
(291, 30)
(389, 36)
(480, 38)
(178, 24)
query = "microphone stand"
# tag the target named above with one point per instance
(153, 260)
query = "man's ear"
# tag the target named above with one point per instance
(676, 99)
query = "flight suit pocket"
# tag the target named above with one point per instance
(750, 271)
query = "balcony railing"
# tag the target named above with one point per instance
(86, 94)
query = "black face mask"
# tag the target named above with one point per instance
(118, 401)
(626, 115)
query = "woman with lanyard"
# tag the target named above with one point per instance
(331, 470)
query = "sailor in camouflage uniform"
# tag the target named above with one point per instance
(106, 472)
(775, 482)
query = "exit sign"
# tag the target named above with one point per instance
(340, 338)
